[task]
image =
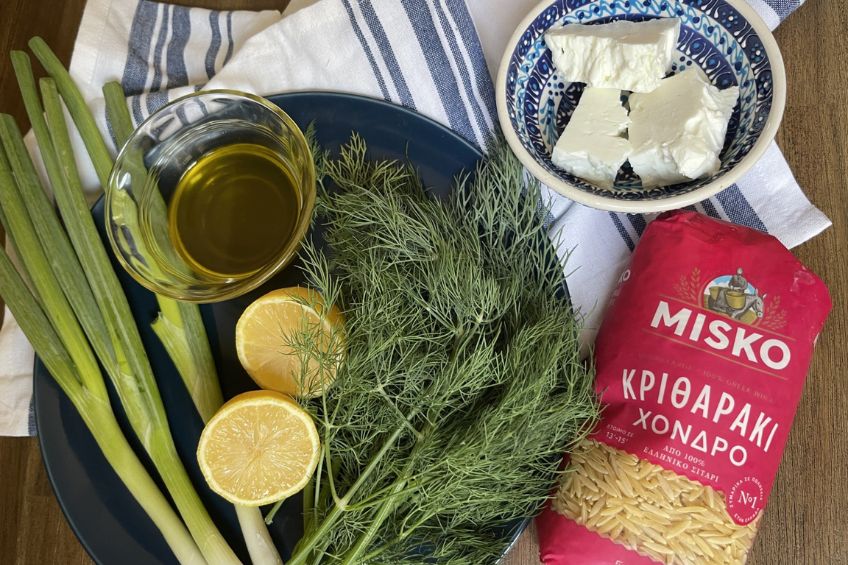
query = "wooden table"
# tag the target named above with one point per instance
(806, 522)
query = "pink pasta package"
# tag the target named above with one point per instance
(701, 361)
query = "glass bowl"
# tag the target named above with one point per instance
(148, 170)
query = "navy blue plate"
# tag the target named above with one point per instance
(108, 522)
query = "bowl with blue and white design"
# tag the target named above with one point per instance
(726, 39)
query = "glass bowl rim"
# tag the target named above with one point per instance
(216, 292)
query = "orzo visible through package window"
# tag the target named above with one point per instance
(701, 360)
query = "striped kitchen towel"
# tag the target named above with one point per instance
(436, 56)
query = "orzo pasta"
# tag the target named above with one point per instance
(701, 361)
(648, 509)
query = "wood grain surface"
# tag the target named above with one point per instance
(806, 522)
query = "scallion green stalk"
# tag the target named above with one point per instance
(180, 328)
(137, 390)
(36, 262)
(179, 325)
(10, 242)
(57, 247)
(116, 109)
(94, 143)
(52, 329)
(126, 362)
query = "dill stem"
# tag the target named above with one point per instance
(399, 538)
(376, 523)
(383, 495)
(309, 542)
(330, 479)
(320, 552)
(388, 506)
(308, 506)
(315, 495)
(376, 553)
(321, 500)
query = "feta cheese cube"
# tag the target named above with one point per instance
(592, 146)
(624, 55)
(678, 130)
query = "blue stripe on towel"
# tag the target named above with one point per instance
(177, 75)
(31, 429)
(214, 44)
(784, 7)
(181, 115)
(467, 85)
(156, 100)
(134, 78)
(229, 37)
(622, 231)
(152, 99)
(638, 222)
(710, 209)
(387, 52)
(437, 62)
(738, 209)
(462, 17)
(370, 56)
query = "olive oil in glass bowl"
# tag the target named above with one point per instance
(211, 196)
(234, 210)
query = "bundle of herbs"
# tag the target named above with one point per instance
(461, 383)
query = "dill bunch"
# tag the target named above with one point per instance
(461, 384)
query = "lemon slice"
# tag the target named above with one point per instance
(259, 448)
(267, 329)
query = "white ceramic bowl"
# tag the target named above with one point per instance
(725, 38)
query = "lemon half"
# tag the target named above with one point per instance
(259, 448)
(269, 327)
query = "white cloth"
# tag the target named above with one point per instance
(16, 359)
(431, 55)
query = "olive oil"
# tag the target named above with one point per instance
(234, 210)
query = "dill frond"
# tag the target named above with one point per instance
(461, 385)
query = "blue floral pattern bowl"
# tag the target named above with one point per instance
(725, 38)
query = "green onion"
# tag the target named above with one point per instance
(54, 241)
(124, 357)
(82, 261)
(137, 390)
(35, 260)
(116, 109)
(179, 325)
(10, 242)
(100, 157)
(180, 328)
(58, 341)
